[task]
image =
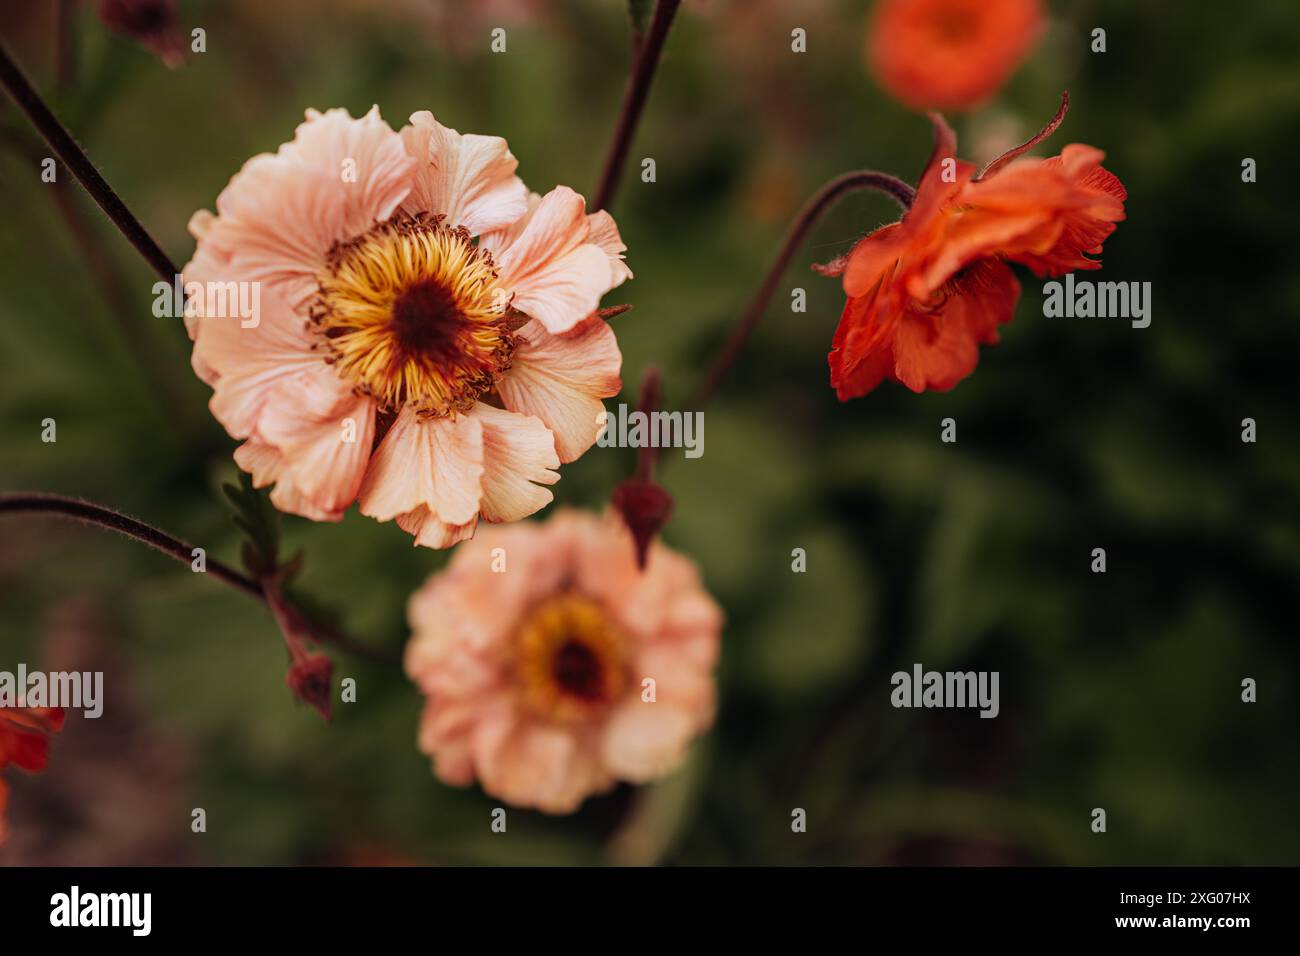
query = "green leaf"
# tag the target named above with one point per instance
(259, 521)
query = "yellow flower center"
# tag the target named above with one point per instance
(570, 659)
(410, 313)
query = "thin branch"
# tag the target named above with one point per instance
(645, 60)
(75, 159)
(651, 398)
(102, 517)
(798, 231)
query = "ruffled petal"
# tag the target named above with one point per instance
(862, 352)
(518, 455)
(245, 364)
(933, 350)
(562, 382)
(427, 471)
(603, 231)
(468, 178)
(555, 274)
(282, 212)
(313, 439)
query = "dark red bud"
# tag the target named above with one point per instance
(645, 508)
(310, 678)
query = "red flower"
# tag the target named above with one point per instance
(924, 293)
(950, 54)
(24, 743)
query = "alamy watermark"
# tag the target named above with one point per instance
(71, 690)
(638, 429)
(224, 300)
(1085, 299)
(922, 688)
(133, 911)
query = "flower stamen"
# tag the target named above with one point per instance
(410, 312)
(569, 659)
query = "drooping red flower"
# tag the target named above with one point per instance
(24, 742)
(950, 54)
(925, 292)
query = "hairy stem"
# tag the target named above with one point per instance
(75, 159)
(794, 237)
(645, 61)
(102, 517)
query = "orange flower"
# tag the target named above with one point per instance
(950, 54)
(23, 742)
(924, 293)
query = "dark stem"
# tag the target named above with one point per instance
(651, 397)
(59, 140)
(98, 515)
(799, 228)
(645, 60)
(126, 525)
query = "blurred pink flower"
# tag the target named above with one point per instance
(426, 339)
(553, 667)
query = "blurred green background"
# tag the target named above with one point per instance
(1119, 690)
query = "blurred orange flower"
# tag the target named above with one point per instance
(924, 293)
(24, 743)
(950, 54)
(555, 667)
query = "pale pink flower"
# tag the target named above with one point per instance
(553, 667)
(426, 341)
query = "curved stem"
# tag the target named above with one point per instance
(75, 159)
(645, 61)
(794, 237)
(102, 517)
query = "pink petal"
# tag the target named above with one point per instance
(518, 455)
(562, 382)
(244, 365)
(266, 465)
(543, 766)
(603, 231)
(646, 740)
(430, 531)
(468, 178)
(491, 581)
(322, 434)
(555, 274)
(664, 601)
(281, 213)
(435, 465)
